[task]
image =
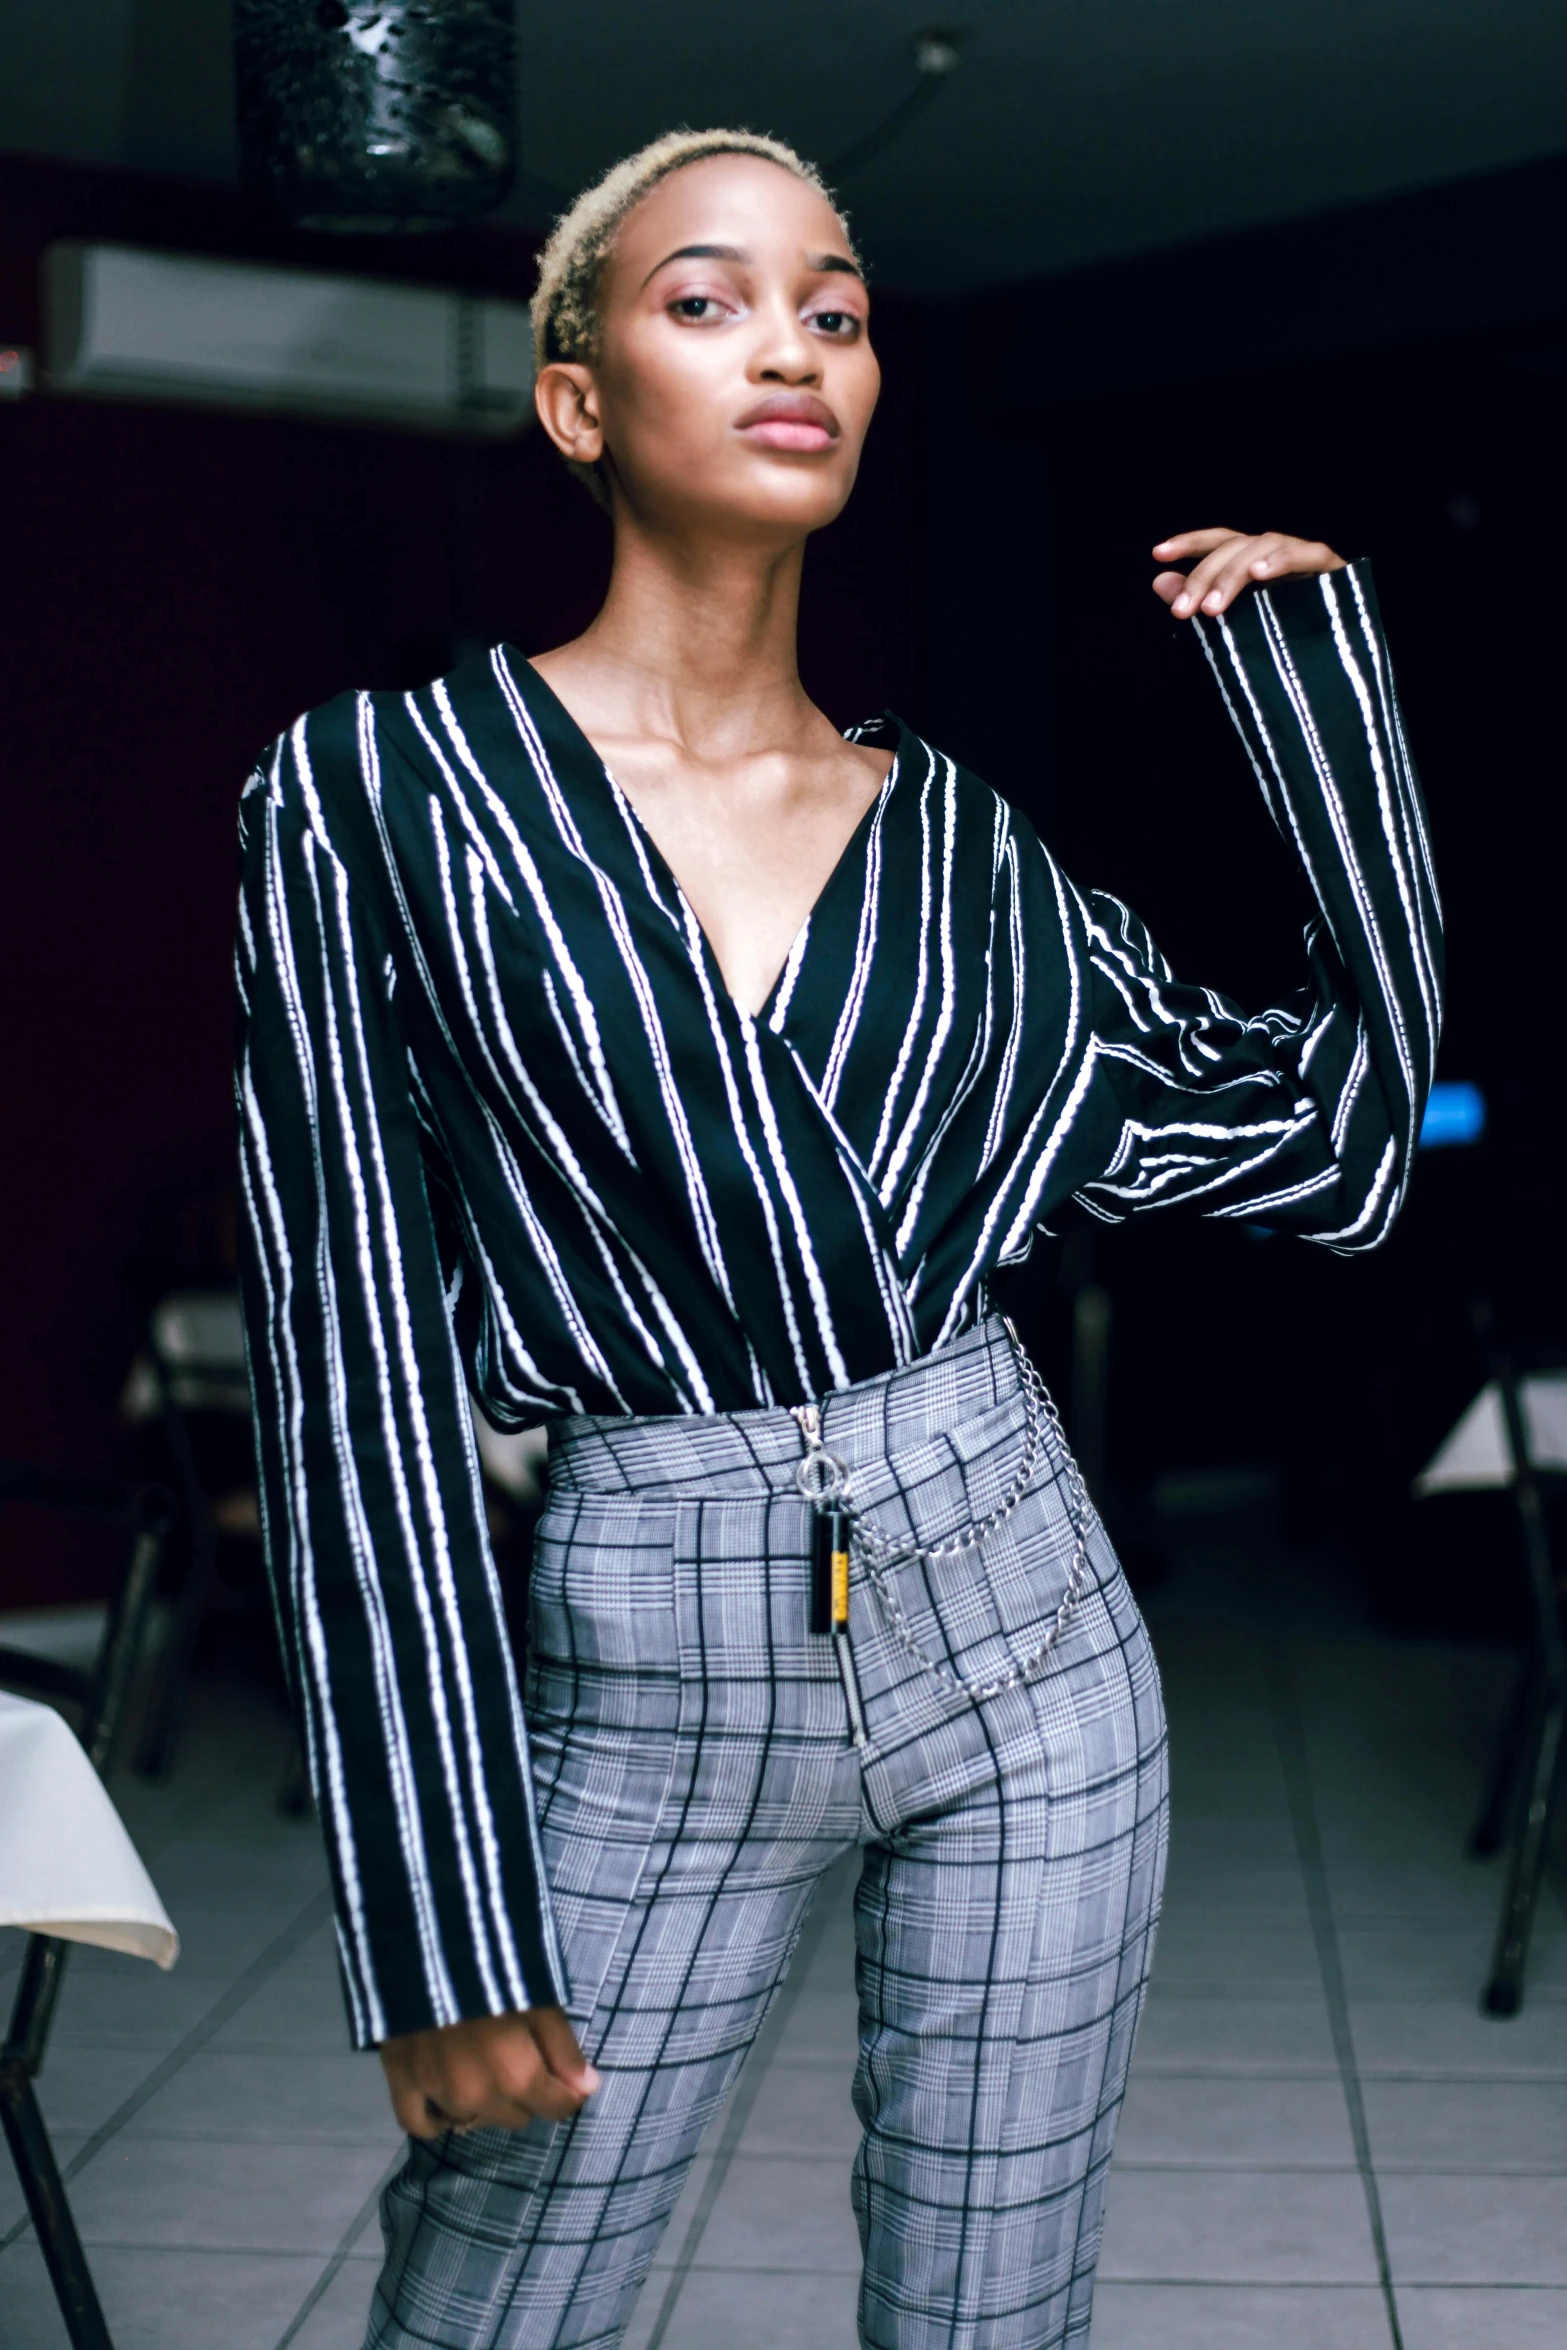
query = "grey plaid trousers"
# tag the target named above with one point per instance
(697, 1774)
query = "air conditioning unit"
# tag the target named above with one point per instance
(125, 324)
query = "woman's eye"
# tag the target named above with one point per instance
(842, 325)
(697, 309)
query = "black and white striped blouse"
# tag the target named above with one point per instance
(503, 1130)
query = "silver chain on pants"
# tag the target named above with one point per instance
(824, 1482)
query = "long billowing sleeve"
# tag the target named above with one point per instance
(372, 1510)
(1304, 1116)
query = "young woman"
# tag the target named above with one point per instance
(623, 1045)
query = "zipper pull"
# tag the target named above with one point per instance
(838, 1554)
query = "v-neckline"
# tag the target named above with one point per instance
(660, 863)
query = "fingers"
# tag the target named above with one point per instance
(1229, 569)
(415, 2093)
(1228, 562)
(1201, 586)
(522, 2078)
(1192, 542)
(411, 2109)
(557, 2044)
(495, 2072)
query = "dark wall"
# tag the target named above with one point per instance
(180, 586)
(1392, 380)
(1440, 461)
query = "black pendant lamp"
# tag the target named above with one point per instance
(395, 115)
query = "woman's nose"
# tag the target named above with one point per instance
(787, 353)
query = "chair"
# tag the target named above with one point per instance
(193, 1364)
(1521, 1789)
(144, 1514)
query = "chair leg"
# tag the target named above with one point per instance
(122, 1642)
(51, 2212)
(171, 1682)
(38, 1987)
(1503, 1994)
(1508, 1757)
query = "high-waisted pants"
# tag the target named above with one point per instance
(697, 1770)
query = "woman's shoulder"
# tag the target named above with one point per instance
(979, 807)
(369, 743)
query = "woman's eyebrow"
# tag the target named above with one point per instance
(818, 261)
(698, 253)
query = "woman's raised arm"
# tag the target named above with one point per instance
(1305, 1114)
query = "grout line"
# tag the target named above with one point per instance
(281, 1947)
(1296, 1762)
(740, 2109)
(345, 2245)
(1161, 2069)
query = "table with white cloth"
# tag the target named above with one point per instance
(67, 1863)
(1475, 1454)
(1514, 1435)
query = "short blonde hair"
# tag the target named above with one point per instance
(571, 266)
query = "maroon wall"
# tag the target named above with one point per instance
(177, 587)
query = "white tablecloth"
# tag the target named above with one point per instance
(67, 1865)
(1476, 1452)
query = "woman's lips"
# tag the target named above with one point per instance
(791, 420)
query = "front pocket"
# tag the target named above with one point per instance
(602, 1698)
(981, 1612)
(931, 1493)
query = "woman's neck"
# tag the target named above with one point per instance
(695, 645)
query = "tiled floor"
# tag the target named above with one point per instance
(1323, 2133)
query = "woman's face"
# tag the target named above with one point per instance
(735, 379)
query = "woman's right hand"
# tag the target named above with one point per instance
(497, 2072)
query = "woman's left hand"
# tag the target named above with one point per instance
(1229, 561)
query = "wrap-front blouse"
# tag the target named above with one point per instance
(504, 1131)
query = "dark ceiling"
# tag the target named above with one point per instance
(1069, 135)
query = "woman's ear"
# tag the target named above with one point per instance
(567, 401)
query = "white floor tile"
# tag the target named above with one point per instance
(79, 2088)
(1454, 1891)
(1255, 1892)
(338, 2319)
(1219, 1951)
(1438, 1958)
(1234, 2121)
(1446, 2230)
(802, 2110)
(1235, 2227)
(286, 2097)
(774, 2213)
(244, 2196)
(1468, 2125)
(823, 2028)
(1479, 2317)
(721, 2309)
(1185, 2032)
(303, 2011)
(141, 2009)
(1428, 2036)
(161, 2299)
(686, 2215)
(1240, 2317)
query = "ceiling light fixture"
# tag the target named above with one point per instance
(936, 55)
(392, 115)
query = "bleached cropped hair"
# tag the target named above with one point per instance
(566, 303)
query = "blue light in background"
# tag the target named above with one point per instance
(1455, 1113)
